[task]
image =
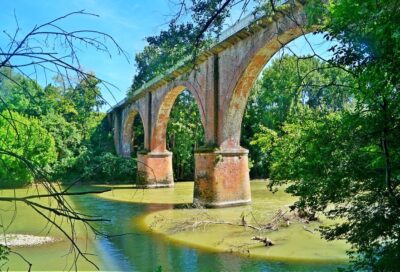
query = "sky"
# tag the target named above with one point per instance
(128, 21)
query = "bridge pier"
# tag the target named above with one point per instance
(155, 169)
(222, 178)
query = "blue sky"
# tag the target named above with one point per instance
(128, 21)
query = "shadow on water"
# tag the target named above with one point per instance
(141, 251)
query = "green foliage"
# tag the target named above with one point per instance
(184, 134)
(338, 166)
(316, 12)
(97, 161)
(286, 87)
(162, 52)
(68, 141)
(28, 139)
(86, 98)
(83, 145)
(4, 252)
(106, 167)
(346, 164)
(19, 94)
(366, 42)
(138, 135)
(265, 139)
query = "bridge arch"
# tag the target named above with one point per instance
(127, 135)
(220, 84)
(261, 49)
(159, 132)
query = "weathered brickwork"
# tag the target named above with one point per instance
(221, 84)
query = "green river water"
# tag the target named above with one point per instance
(138, 250)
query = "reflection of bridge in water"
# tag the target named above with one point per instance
(220, 84)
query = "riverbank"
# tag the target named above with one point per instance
(31, 236)
(182, 193)
(224, 230)
(144, 249)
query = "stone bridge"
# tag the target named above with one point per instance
(220, 83)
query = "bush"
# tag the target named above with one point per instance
(107, 167)
(28, 140)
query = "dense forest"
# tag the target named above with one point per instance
(58, 129)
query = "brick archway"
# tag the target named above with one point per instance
(235, 108)
(220, 80)
(159, 130)
(127, 137)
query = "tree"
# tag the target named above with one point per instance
(70, 116)
(290, 84)
(27, 139)
(98, 160)
(162, 52)
(86, 97)
(51, 49)
(346, 165)
(185, 134)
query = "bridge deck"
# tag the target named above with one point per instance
(239, 31)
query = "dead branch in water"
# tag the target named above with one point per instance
(282, 218)
(267, 242)
(208, 222)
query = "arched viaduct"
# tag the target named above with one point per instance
(220, 83)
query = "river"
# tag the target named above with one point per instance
(136, 250)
